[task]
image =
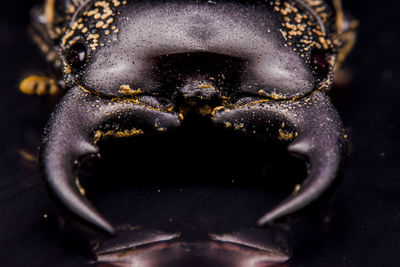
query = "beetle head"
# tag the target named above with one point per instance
(157, 48)
(130, 64)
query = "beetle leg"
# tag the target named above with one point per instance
(346, 27)
(316, 133)
(71, 134)
(39, 85)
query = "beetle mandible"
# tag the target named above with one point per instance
(125, 72)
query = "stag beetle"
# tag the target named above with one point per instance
(265, 69)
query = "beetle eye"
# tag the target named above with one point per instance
(77, 55)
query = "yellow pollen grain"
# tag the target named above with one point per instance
(93, 36)
(287, 136)
(99, 24)
(93, 12)
(117, 134)
(80, 188)
(127, 90)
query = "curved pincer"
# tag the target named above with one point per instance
(316, 135)
(79, 120)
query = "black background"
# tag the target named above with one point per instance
(358, 226)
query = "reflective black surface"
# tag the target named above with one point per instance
(357, 226)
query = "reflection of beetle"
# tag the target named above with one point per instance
(133, 67)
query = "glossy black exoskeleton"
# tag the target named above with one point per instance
(136, 67)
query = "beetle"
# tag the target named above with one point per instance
(129, 68)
